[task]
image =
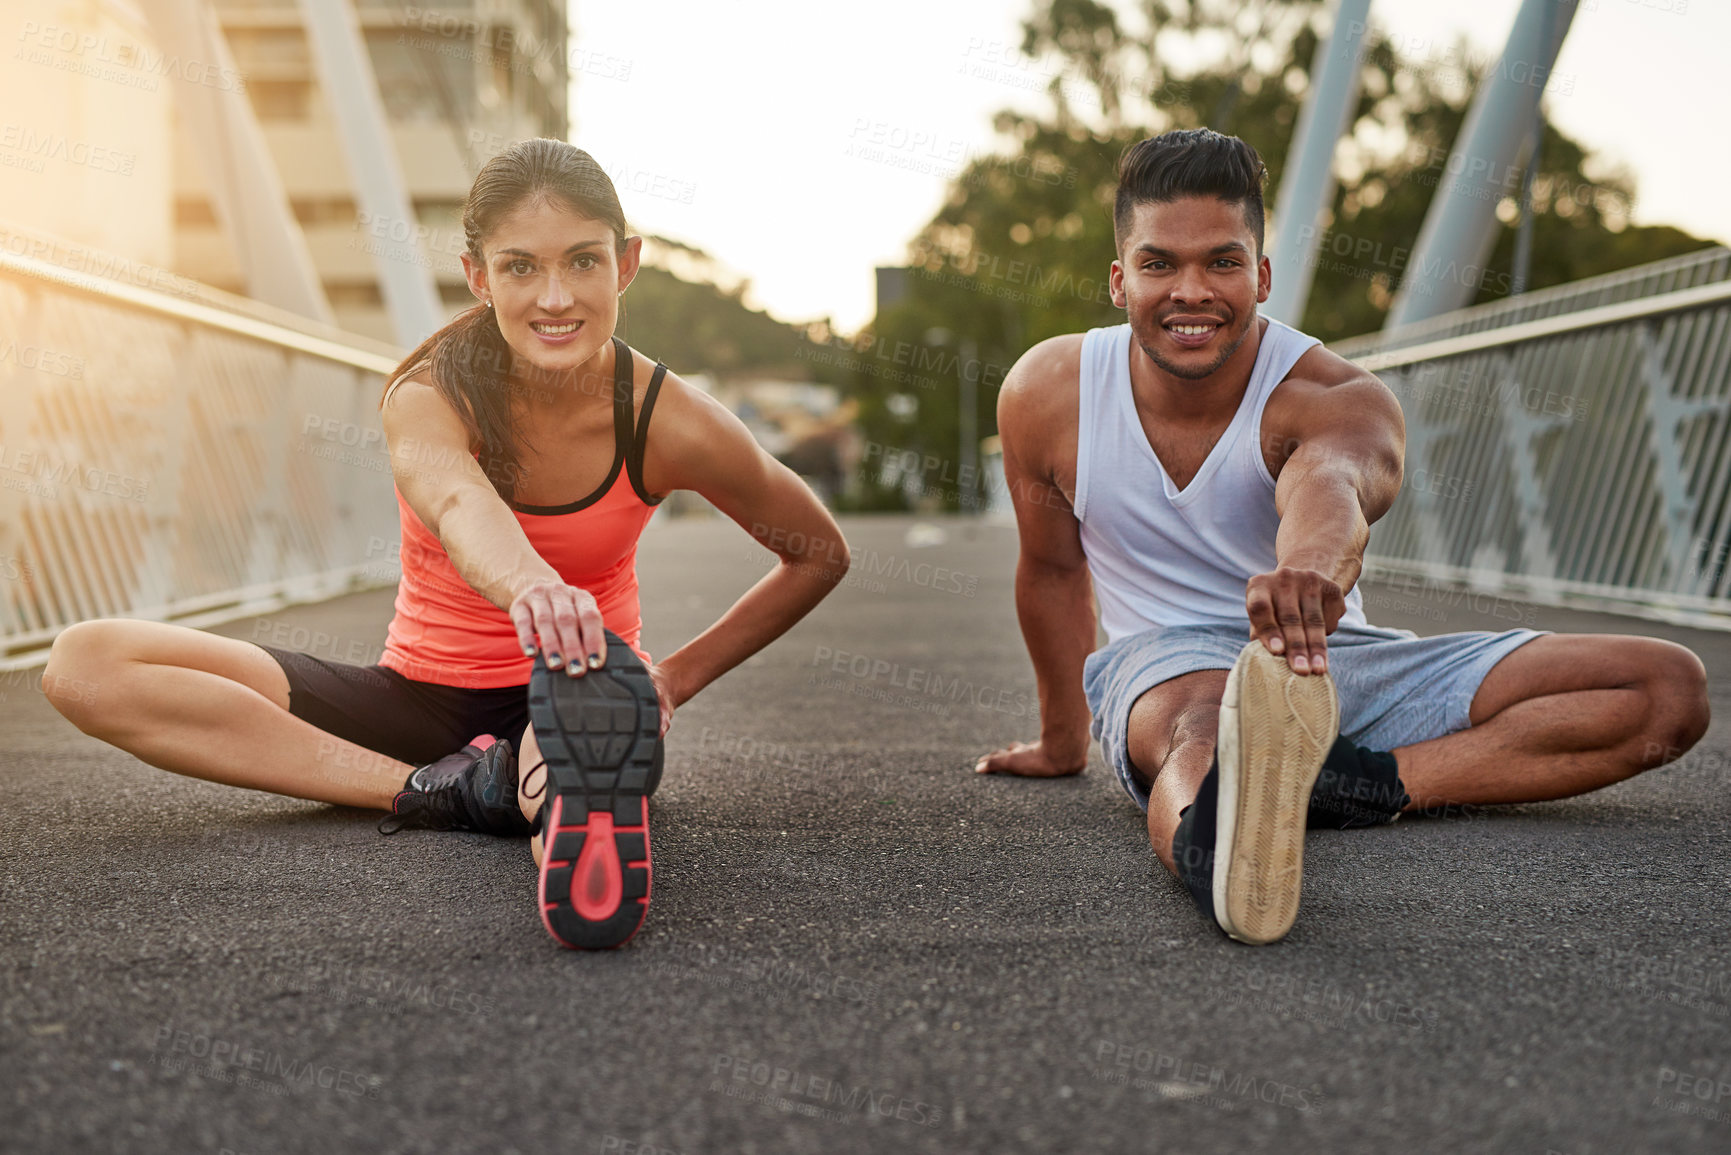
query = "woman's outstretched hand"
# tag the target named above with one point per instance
(563, 623)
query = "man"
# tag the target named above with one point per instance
(1206, 472)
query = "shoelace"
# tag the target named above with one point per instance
(535, 826)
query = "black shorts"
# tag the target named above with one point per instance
(413, 722)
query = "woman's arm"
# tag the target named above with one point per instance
(696, 444)
(442, 482)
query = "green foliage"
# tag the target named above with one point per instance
(699, 326)
(1022, 247)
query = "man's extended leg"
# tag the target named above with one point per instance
(1560, 716)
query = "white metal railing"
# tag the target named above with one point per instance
(177, 455)
(1571, 446)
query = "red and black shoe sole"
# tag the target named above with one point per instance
(600, 736)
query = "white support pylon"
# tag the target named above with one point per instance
(1307, 185)
(346, 72)
(1460, 227)
(245, 188)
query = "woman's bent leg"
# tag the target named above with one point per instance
(208, 707)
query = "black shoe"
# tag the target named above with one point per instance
(1357, 787)
(600, 735)
(473, 789)
(1193, 844)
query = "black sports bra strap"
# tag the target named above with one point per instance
(634, 460)
(623, 390)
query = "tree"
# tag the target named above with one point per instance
(1021, 248)
(699, 321)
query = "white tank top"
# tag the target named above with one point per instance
(1161, 556)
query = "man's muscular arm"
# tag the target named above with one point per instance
(1343, 473)
(1054, 598)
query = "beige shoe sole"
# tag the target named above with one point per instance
(1275, 729)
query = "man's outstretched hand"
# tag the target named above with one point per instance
(1292, 611)
(1030, 760)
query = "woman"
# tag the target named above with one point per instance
(526, 466)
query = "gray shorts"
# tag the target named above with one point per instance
(1395, 687)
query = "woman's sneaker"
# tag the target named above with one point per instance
(600, 735)
(473, 789)
(1276, 727)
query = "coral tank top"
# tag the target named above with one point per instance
(446, 633)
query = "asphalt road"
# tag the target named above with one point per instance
(856, 944)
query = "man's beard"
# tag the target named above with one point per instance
(1191, 374)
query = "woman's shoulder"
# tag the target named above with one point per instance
(419, 375)
(681, 409)
(413, 403)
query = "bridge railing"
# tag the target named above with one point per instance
(1571, 446)
(167, 454)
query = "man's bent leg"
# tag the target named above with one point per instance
(1560, 716)
(1171, 745)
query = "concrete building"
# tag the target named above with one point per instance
(459, 81)
(84, 142)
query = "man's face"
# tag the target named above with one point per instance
(1190, 279)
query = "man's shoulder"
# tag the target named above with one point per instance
(1324, 393)
(1040, 391)
(1049, 373)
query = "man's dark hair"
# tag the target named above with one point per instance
(1189, 162)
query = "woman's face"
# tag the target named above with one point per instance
(554, 278)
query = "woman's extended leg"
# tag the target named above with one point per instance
(209, 707)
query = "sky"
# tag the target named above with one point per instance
(802, 144)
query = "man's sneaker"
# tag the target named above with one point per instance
(600, 735)
(1358, 787)
(473, 789)
(1275, 729)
